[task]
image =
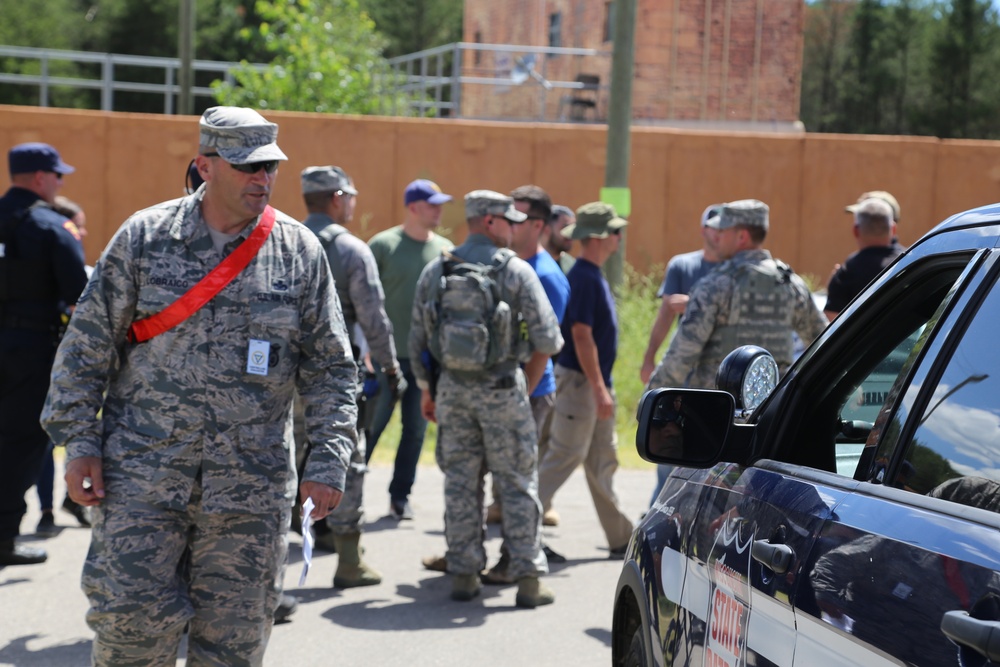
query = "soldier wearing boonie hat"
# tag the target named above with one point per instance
(583, 418)
(481, 402)
(749, 299)
(185, 441)
(595, 220)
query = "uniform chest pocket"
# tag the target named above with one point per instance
(272, 350)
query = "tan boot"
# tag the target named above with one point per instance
(435, 563)
(494, 513)
(532, 593)
(464, 587)
(550, 518)
(351, 570)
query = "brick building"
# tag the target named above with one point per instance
(702, 63)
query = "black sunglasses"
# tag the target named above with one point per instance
(269, 166)
(58, 174)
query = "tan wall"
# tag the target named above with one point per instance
(126, 162)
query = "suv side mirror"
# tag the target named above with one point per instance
(686, 427)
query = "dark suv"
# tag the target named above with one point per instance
(852, 517)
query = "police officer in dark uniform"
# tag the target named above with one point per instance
(41, 275)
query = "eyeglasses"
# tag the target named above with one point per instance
(58, 174)
(617, 232)
(269, 166)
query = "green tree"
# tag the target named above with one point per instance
(416, 25)
(827, 28)
(961, 72)
(325, 56)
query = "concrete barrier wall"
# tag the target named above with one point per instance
(126, 162)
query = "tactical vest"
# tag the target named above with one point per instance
(23, 279)
(760, 311)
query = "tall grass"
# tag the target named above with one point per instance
(637, 306)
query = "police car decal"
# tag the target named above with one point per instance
(729, 610)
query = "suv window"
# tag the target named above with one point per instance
(841, 409)
(958, 434)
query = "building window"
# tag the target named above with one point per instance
(477, 58)
(555, 29)
(609, 21)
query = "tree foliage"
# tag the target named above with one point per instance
(416, 25)
(325, 57)
(901, 67)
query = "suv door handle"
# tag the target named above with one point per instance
(979, 635)
(776, 557)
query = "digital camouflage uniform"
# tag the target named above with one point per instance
(196, 452)
(363, 303)
(750, 299)
(486, 418)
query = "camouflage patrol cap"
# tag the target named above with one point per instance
(877, 194)
(595, 220)
(479, 203)
(239, 135)
(742, 213)
(326, 179)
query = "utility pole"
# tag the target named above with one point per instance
(185, 47)
(619, 148)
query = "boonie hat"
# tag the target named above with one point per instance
(742, 213)
(239, 135)
(424, 190)
(479, 203)
(877, 194)
(36, 156)
(326, 179)
(595, 220)
(711, 214)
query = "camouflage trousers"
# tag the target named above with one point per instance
(151, 572)
(485, 425)
(349, 515)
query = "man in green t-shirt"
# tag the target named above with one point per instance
(401, 254)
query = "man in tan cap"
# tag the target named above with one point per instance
(749, 299)
(583, 424)
(874, 232)
(177, 425)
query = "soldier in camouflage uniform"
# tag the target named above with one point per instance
(329, 195)
(484, 418)
(750, 299)
(183, 443)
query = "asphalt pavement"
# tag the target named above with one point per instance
(407, 620)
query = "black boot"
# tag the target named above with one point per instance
(17, 554)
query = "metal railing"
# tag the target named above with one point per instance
(106, 82)
(426, 83)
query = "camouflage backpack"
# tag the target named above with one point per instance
(471, 326)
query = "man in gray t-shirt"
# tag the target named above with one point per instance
(683, 271)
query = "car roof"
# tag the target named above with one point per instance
(977, 217)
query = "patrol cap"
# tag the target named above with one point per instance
(742, 213)
(595, 220)
(479, 203)
(36, 156)
(326, 179)
(711, 214)
(240, 135)
(424, 190)
(877, 194)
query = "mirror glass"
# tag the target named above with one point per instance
(684, 426)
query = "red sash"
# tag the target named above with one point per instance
(206, 289)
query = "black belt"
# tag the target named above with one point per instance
(508, 382)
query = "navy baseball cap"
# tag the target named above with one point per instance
(35, 156)
(424, 190)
